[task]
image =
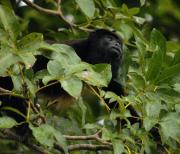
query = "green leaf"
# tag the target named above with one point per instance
(158, 45)
(149, 122)
(149, 145)
(104, 70)
(91, 126)
(118, 146)
(133, 11)
(48, 78)
(43, 134)
(106, 134)
(83, 108)
(46, 135)
(54, 68)
(92, 78)
(28, 59)
(168, 73)
(138, 82)
(7, 122)
(177, 87)
(76, 68)
(87, 7)
(98, 75)
(142, 2)
(9, 22)
(17, 82)
(173, 46)
(73, 86)
(30, 43)
(153, 108)
(170, 126)
(6, 61)
(139, 20)
(67, 52)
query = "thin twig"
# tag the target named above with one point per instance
(89, 137)
(89, 147)
(4, 92)
(57, 12)
(39, 8)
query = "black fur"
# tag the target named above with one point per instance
(102, 46)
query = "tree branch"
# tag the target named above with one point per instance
(90, 147)
(57, 12)
(39, 8)
(7, 134)
(90, 137)
(4, 92)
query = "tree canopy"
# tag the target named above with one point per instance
(150, 75)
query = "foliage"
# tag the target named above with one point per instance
(150, 74)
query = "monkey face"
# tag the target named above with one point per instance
(105, 47)
(111, 46)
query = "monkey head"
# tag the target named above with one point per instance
(105, 47)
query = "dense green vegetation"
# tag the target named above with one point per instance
(150, 75)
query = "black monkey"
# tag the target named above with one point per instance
(102, 46)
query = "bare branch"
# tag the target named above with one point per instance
(39, 8)
(90, 137)
(57, 12)
(89, 147)
(4, 92)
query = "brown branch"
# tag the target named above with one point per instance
(4, 92)
(89, 147)
(39, 8)
(90, 137)
(7, 134)
(57, 12)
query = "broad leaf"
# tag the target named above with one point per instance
(30, 43)
(169, 73)
(158, 45)
(46, 135)
(72, 85)
(6, 61)
(87, 6)
(170, 126)
(54, 68)
(28, 59)
(7, 122)
(149, 122)
(118, 146)
(68, 53)
(9, 22)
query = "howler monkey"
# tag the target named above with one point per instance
(102, 46)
